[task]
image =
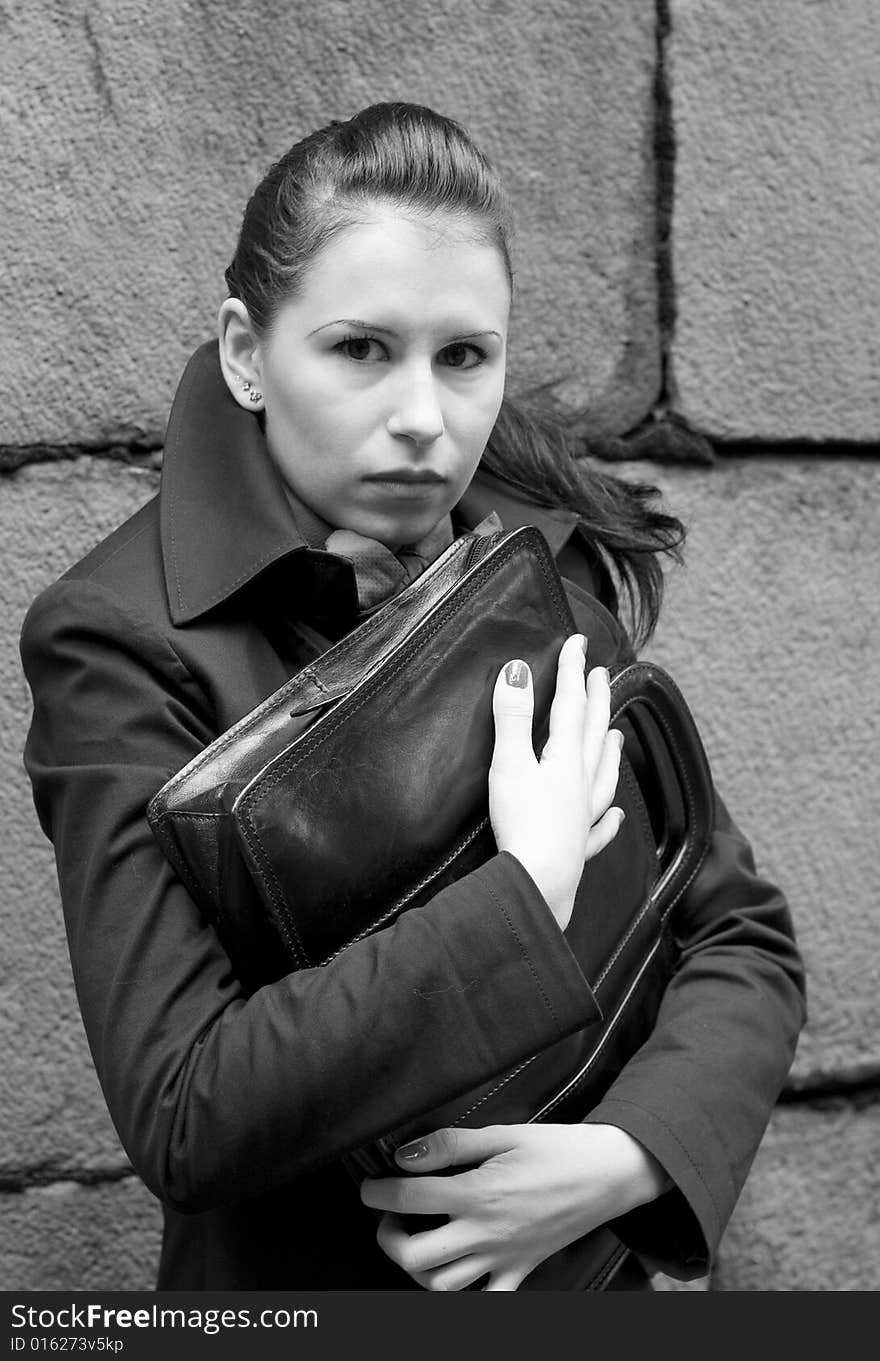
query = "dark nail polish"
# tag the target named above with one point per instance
(516, 674)
(410, 1152)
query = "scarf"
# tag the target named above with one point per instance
(379, 572)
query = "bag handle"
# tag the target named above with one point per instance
(664, 748)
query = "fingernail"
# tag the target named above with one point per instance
(516, 674)
(618, 737)
(606, 673)
(584, 643)
(410, 1152)
(622, 817)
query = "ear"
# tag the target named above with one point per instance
(239, 355)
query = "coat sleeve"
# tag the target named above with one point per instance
(699, 1093)
(218, 1095)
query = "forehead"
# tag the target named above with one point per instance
(423, 266)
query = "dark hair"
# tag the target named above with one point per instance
(533, 450)
(426, 164)
(399, 153)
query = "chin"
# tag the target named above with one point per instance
(400, 530)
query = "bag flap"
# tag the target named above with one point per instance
(212, 779)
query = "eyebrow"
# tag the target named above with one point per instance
(387, 331)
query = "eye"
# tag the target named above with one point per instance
(361, 349)
(461, 355)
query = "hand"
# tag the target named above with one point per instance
(534, 1189)
(554, 814)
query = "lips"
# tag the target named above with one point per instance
(410, 477)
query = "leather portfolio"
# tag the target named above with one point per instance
(359, 790)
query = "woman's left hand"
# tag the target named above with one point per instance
(527, 1192)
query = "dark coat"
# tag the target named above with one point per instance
(234, 1108)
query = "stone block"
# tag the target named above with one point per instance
(134, 131)
(771, 630)
(807, 1218)
(777, 196)
(68, 1236)
(54, 1116)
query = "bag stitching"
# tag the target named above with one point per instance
(487, 569)
(277, 700)
(554, 1101)
(411, 893)
(570, 1088)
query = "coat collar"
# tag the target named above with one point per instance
(217, 479)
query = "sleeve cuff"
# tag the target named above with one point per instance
(555, 988)
(679, 1232)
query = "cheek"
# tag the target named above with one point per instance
(320, 425)
(477, 419)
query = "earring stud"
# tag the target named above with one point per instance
(253, 394)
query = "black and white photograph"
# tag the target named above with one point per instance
(439, 496)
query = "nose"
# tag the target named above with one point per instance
(416, 413)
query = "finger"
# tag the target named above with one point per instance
(421, 1252)
(607, 774)
(506, 1280)
(458, 1276)
(604, 832)
(513, 705)
(455, 1148)
(413, 1195)
(392, 1237)
(568, 710)
(597, 720)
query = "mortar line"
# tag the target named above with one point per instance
(664, 154)
(149, 457)
(39, 1178)
(138, 453)
(859, 1088)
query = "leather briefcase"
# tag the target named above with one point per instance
(382, 746)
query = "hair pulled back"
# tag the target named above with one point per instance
(395, 153)
(425, 164)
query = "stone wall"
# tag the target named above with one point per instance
(697, 267)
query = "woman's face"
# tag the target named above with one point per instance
(383, 376)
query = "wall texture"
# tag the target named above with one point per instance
(696, 189)
(778, 191)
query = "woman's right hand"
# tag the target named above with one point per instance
(554, 814)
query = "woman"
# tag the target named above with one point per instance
(351, 421)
